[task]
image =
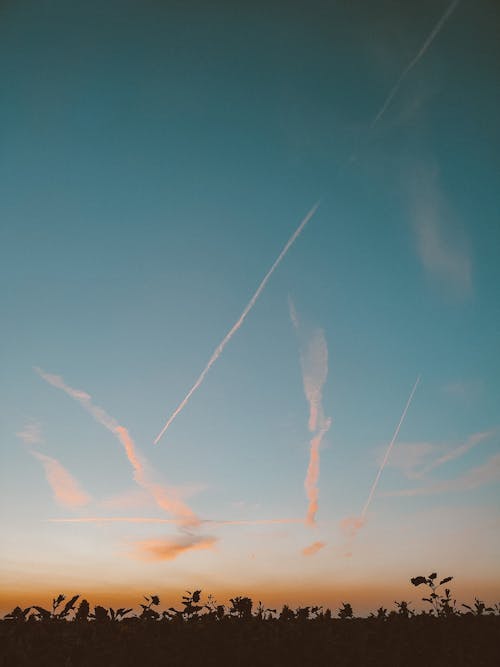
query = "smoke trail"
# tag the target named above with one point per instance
(388, 451)
(165, 499)
(219, 349)
(434, 32)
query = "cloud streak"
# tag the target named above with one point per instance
(479, 476)
(166, 499)
(31, 434)
(67, 491)
(421, 52)
(471, 442)
(170, 549)
(313, 548)
(314, 366)
(440, 245)
(220, 348)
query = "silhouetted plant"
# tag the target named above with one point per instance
(241, 607)
(381, 614)
(18, 614)
(83, 611)
(345, 611)
(100, 614)
(286, 614)
(149, 614)
(440, 603)
(403, 609)
(479, 608)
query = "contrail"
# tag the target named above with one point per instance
(239, 322)
(142, 519)
(314, 364)
(434, 32)
(388, 451)
(312, 476)
(166, 499)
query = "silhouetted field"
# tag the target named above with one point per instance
(70, 634)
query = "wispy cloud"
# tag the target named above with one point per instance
(166, 498)
(31, 433)
(351, 524)
(479, 476)
(169, 549)
(67, 491)
(411, 457)
(471, 442)
(220, 348)
(440, 245)
(313, 548)
(314, 365)
(428, 41)
(414, 458)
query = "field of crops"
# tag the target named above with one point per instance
(71, 634)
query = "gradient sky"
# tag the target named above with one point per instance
(155, 158)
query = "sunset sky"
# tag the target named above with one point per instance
(156, 157)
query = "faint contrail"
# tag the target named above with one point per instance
(142, 519)
(434, 32)
(388, 451)
(239, 322)
(166, 499)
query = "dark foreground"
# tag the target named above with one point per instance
(71, 635)
(417, 641)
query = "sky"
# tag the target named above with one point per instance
(343, 432)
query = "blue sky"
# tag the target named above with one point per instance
(156, 156)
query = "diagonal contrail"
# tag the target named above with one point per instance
(434, 32)
(238, 323)
(388, 451)
(164, 497)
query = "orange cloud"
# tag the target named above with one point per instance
(351, 524)
(314, 364)
(312, 476)
(65, 488)
(313, 548)
(168, 549)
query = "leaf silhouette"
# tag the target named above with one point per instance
(445, 580)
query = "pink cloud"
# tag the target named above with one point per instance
(65, 488)
(166, 498)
